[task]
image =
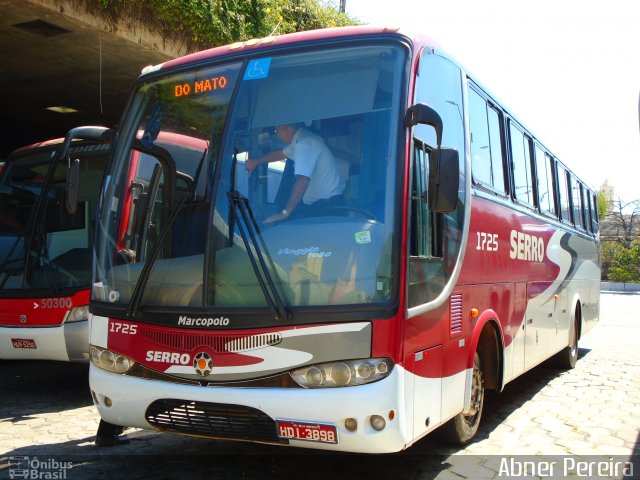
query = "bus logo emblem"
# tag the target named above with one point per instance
(23, 319)
(203, 363)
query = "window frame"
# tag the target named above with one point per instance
(493, 106)
(526, 145)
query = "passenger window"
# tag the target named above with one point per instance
(595, 221)
(576, 189)
(565, 208)
(545, 188)
(588, 211)
(486, 144)
(521, 157)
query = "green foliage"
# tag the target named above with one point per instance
(209, 23)
(621, 264)
(602, 205)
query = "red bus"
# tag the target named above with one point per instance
(45, 253)
(454, 253)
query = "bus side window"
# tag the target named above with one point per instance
(521, 158)
(545, 186)
(577, 203)
(486, 144)
(565, 207)
(588, 210)
(594, 213)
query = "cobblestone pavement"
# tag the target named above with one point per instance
(582, 423)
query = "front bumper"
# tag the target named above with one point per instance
(134, 401)
(67, 342)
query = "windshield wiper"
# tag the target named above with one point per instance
(43, 257)
(240, 203)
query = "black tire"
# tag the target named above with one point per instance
(568, 357)
(462, 428)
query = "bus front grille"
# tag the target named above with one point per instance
(214, 420)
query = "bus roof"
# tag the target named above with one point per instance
(44, 143)
(50, 144)
(288, 39)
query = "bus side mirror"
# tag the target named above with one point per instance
(443, 180)
(444, 163)
(73, 185)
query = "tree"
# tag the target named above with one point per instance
(602, 205)
(210, 23)
(621, 223)
(622, 264)
(620, 236)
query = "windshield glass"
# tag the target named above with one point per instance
(47, 248)
(281, 198)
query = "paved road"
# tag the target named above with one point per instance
(560, 422)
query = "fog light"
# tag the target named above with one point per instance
(108, 402)
(377, 422)
(351, 424)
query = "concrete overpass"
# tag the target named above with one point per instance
(58, 53)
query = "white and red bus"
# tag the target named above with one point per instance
(463, 255)
(45, 254)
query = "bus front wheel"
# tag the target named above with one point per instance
(463, 427)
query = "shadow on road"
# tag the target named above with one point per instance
(35, 387)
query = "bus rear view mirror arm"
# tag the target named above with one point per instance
(99, 134)
(423, 114)
(73, 185)
(443, 163)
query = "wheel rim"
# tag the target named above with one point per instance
(574, 341)
(477, 396)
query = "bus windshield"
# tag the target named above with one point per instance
(190, 226)
(42, 246)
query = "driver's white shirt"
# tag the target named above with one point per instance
(314, 160)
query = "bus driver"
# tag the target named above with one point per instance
(318, 184)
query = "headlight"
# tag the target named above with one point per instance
(343, 374)
(78, 314)
(110, 361)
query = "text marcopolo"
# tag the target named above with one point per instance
(203, 322)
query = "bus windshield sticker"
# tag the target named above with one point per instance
(258, 68)
(363, 237)
(152, 129)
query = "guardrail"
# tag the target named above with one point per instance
(619, 287)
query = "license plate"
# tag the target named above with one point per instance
(310, 432)
(23, 343)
